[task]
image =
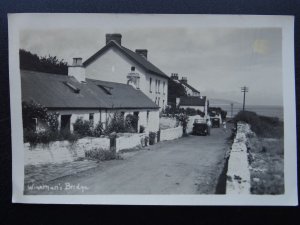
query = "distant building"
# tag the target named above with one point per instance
(190, 91)
(197, 103)
(76, 97)
(116, 63)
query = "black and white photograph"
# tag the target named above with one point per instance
(153, 109)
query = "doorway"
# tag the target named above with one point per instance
(65, 125)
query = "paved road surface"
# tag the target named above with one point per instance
(189, 165)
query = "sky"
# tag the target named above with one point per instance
(216, 61)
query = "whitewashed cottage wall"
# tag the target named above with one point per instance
(150, 124)
(113, 66)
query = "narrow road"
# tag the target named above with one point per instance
(189, 165)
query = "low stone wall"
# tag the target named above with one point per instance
(128, 141)
(62, 151)
(171, 134)
(238, 173)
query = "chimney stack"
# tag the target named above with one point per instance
(77, 61)
(184, 80)
(77, 70)
(114, 37)
(174, 76)
(142, 52)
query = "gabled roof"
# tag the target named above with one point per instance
(192, 101)
(138, 59)
(60, 91)
(190, 87)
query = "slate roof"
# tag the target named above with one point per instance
(192, 101)
(51, 91)
(190, 87)
(138, 59)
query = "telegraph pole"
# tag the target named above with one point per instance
(244, 90)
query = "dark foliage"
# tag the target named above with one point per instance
(83, 127)
(47, 64)
(263, 126)
(175, 90)
(101, 155)
(217, 111)
(32, 110)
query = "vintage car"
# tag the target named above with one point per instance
(215, 122)
(200, 127)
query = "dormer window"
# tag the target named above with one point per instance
(72, 87)
(106, 89)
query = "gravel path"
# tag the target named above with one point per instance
(190, 165)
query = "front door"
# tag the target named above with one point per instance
(65, 123)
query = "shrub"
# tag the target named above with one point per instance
(31, 110)
(116, 124)
(183, 120)
(142, 129)
(191, 111)
(261, 125)
(68, 136)
(98, 131)
(131, 123)
(45, 137)
(83, 127)
(101, 155)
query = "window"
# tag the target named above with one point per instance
(91, 118)
(155, 100)
(158, 100)
(158, 89)
(107, 90)
(164, 84)
(72, 87)
(155, 86)
(150, 87)
(163, 104)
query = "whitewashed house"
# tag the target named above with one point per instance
(197, 103)
(75, 96)
(114, 62)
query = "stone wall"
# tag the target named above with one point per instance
(62, 151)
(171, 134)
(238, 173)
(128, 141)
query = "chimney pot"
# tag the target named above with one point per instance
(114, 37)
(174, 76)
(184, 80)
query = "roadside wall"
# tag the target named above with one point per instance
(238, 173)
(130, 141)
(62, 151)
(171, 134)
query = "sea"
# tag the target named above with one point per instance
(271, 111)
